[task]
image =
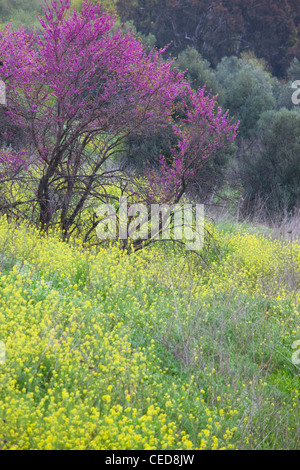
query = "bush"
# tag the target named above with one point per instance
(270, 166)
(246, 89)
(198, 69)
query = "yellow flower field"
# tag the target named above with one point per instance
(160, 349)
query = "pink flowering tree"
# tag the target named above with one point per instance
(79, 89)
(201, 133)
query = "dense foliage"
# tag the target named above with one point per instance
(269, 164)
(80, 90)
(216, 29)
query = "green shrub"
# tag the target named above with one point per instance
(270, 166)
(199, 71)
(246, 89)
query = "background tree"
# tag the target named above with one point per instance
(217, 29)
(246, 89)
(199, 71)
(269, 164)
